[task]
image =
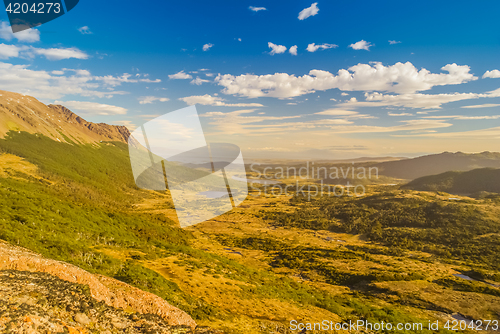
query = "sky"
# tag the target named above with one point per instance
(281, 79)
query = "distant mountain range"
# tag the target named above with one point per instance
(463, 183)
(20, 112)
(411, 169)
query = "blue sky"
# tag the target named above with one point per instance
(123, 62)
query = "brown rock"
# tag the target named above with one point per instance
(112, 292)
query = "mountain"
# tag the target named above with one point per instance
(411, 169)
(20, 112)
(471, 182)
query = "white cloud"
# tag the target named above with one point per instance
(207, 46)
(344, 94)
(276, 49)
(198, 81)
(9, 51)
(180, 75)
(85, 30)
(256, 9)
(113, 81)
(398, 78)
(28, 35)
(492, 74)
(215, 101)
(151, 99)
(61, 53)
(464, 117)
(337, 112)
(400, 114)
(238, 122)
(361, 45)
(345, 114)
(486, 105)
(293, 50)
(313, 47)
(394, 42)
(93, 108)
(14, 51)
(309, 11)
(53, 85)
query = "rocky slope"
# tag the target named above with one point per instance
(20, 112)
(39, 295)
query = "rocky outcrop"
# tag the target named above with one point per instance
(34, 302)
(103, 130)
(110, 292)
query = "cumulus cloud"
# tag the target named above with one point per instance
(215, 101)
(28, 35)
(313, 47)
(401, 78)
(276, 49)
(393, 42)
(93, 108)
(151, 99)
(256, 9)
(207, 46)
(361, 45)
(61, 53)
(309, 11)
(85, 30)
(180, 75)
(492, 74)
(293, 50)
(198, 81)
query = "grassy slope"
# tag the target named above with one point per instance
(83, 207)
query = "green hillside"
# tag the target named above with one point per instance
(257, 267)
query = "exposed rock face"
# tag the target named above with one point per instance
(34, 302)
(105, 131)
(20, 112)
(107, 292)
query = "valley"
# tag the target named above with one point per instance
(393, 254)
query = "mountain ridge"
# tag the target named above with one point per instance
(434, 164)
(20, 112)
